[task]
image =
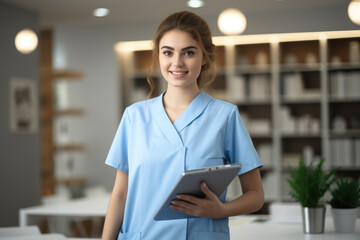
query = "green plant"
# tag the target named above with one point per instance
(346, 194)
(309, 183)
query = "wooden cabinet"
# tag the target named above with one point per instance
(298, 93)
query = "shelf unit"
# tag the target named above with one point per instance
(51, 113)
(298, 93)
(67, 149)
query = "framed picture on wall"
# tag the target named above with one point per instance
(23, 105)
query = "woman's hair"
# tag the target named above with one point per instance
(199, 30)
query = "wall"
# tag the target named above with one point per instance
(19, 153)
(89, 48)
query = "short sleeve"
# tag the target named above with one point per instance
(118, 153)
(239, 146)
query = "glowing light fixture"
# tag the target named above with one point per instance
(26, 41)
(101, 12)
(354, 11)
(195, 3)
(231, 21)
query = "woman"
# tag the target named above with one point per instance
(179, 130)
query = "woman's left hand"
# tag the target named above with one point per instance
(210, 206)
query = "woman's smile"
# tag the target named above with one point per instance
(179, 74)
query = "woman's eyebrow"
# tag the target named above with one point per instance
(183, 49)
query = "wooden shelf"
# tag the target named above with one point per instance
(67, 75)
(71, 181)
(70, 147)
(70, 112)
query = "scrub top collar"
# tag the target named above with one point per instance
(195, 109)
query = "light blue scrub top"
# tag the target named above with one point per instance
(154, 152)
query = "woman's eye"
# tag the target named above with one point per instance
(167, 53)
(189, 53)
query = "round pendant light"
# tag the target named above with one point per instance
(26, 41)
(354, 11)
(231, 21)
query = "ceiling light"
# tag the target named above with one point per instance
(195, 3)
(354, 11)
(101, 12)
(26, 41)
(231, 21)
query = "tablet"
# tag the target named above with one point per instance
(217, 179)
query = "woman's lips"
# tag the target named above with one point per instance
(178, 74)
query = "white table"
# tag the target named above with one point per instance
(84, 207)
(242, 227)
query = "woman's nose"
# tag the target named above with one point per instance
(178, 61)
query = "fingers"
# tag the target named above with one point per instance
(201, 207)
(184, 207)
(208, 193)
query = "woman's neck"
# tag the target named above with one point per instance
(176, 101)
(179, 98)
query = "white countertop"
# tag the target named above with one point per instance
(245, 227)
(241, 227)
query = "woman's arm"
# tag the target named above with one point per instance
(116, 207)
(251, 200)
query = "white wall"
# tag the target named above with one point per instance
(89, 48)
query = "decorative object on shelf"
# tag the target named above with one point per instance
(345, 202)
(261, 60)
(259, 87)
(310, 59)
(345, 84)
(354, 54)
(231, 21)
(236, 89)
(336, 60)
(291, 60)
(308, 184)
(339, 124)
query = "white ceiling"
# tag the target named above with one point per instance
(55, 12)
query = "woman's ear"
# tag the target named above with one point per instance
(203, 61)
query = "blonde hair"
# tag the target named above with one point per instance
(199, 30)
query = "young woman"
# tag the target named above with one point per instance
(179, 130)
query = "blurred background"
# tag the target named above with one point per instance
(293, 70)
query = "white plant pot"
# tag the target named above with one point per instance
(344, 219)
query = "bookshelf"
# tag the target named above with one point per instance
(298, 93)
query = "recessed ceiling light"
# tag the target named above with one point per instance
(195, 3)
(101, 12)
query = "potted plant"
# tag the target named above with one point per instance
(308, 184)
(344, 204)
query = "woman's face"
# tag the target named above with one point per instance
(180, 58)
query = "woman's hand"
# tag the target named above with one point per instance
(210, 206)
